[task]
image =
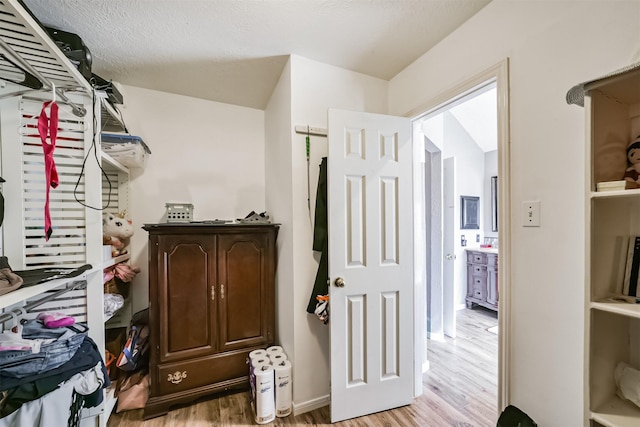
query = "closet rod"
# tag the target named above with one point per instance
(78, 110)
(79, 284)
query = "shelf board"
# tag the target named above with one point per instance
(23, 294)
(621, 308)
(615, 194)
(113, 163)
(617, 413)
(116, 260)
(111, 119)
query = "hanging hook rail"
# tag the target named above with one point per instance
(12, 56)
(310, 130)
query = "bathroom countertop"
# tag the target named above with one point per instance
(486, 250)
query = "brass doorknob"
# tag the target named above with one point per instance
(339, 282)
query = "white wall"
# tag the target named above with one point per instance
(468, 182)
(206, 153)
(279, 202)
(552, 45)
(313, 87)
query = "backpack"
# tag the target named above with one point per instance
(135, 354)
(514, 417)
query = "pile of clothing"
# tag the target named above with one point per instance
(49, 370)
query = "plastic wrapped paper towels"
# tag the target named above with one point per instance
(283, 388)
(264, 405)
(271, 385)
(274, 349)
(277, 358)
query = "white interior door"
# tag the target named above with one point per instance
(370, 263)
(448, 247)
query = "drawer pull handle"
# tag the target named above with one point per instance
(221, 290)
(177, 377)
(213, 293)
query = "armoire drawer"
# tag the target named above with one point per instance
(189, 374)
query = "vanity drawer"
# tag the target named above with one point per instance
(479, 270)
(476, 258)
(479, 283)
(479, 293)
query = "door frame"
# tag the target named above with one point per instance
(500, 74)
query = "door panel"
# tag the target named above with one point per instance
(448, 244)
(370, 263)
(187, 267)
(243, 318)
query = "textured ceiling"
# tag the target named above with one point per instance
(233, 51)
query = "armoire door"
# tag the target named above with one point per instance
(245, 288)
(186, 296)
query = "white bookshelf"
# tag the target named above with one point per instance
(612, 334)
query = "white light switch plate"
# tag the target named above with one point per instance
(531, 213)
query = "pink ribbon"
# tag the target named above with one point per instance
(48, 127)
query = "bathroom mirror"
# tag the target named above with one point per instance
(494, 203)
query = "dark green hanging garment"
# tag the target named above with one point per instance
(321, 239)
(1, 204)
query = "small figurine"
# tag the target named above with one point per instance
(632, 174)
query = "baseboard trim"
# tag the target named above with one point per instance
(310, 405)
(435, 336)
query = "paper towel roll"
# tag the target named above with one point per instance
(254, 364)
(259, 361)
(257, 353)
(265, 394)
(283, 388)
(277, 358)
(274, 349)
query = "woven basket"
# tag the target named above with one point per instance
(117, 286)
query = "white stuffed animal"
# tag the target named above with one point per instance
(116, 231)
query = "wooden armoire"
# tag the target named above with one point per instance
(211, 302)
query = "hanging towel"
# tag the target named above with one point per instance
(48, 127)
(320, 239)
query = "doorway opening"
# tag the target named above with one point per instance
(462, 145)
(461, 158)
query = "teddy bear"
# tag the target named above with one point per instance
(116, 231)
(632, 174)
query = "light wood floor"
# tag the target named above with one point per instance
(460, 390)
